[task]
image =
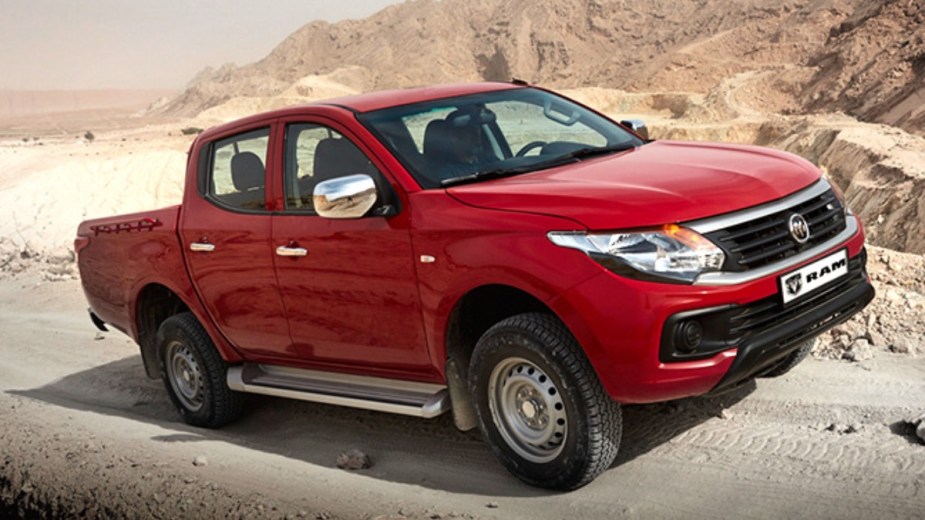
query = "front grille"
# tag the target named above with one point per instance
(767, 239)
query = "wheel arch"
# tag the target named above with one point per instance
(155, 301)
(472, 314)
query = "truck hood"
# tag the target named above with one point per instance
(658, 183)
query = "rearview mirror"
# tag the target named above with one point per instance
(555, 113)
(351, 196)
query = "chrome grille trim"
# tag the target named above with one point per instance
(733, 278)
(735, 218)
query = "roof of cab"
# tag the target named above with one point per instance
(393, 98)
(370, 101)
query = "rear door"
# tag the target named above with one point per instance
(225, 231)
(352, 298)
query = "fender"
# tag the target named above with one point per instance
(189, 298)
(439, 316)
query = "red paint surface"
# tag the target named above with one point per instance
(655, 184)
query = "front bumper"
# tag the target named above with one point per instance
(782, 329)
(621, 324)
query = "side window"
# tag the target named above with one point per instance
(314, 154)
(238, 170)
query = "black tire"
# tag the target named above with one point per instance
(792, 360)
(521, 371)
(194, 374)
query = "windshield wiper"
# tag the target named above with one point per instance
(592, 151)
(558, 160)
(487, 174)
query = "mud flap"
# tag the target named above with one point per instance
(463, 412)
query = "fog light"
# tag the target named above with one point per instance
(690, 336)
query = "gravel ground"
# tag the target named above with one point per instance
(86, 435)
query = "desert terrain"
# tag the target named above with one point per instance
(86, 435)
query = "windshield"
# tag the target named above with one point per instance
(481, 136)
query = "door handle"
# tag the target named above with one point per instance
(291, 251)
(202, 247)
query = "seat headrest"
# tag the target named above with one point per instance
(247, 171)
(337, 157)
(438, 138)
(474, 115)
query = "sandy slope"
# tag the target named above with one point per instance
(85, 433)
(48, 186)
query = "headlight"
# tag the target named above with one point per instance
(669, 254)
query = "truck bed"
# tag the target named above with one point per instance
(118, 256)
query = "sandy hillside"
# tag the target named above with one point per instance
(48, 185)
(873, 65)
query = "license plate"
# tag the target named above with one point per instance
(812, 276)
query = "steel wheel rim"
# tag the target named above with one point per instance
(185, 376)
(528, 410)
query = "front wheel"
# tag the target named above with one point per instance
(540, 404)
(195, 375)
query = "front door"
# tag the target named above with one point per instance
(225, 232)
(352, 297)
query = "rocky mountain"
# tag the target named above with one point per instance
(865, 57)
(873, 66)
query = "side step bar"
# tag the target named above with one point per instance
(371, 393)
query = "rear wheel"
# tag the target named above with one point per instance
(792, 360)
(540, 404)
(195, 375)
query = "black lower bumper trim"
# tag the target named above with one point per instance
(763, 352)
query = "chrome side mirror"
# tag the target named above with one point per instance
(345, 197)
(638, 126)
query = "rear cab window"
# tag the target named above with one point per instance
(236, 174)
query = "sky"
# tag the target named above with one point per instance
(146, 44)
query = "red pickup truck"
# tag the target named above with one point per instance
(492, 249)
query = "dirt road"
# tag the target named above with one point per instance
(85, 434)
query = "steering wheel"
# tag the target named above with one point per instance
(529, 146)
